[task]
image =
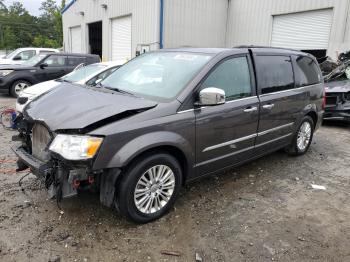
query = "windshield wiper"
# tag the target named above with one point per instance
(115, 89)
(63, 80)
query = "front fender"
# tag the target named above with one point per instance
(140, 144)
(25, 77)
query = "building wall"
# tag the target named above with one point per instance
(145, 21)
(250, 22)
(201, 23)
(196, 23)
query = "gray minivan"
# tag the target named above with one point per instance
(168, 117)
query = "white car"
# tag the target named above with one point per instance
(21, 55)
(88, 75)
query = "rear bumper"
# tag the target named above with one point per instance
(334, 114)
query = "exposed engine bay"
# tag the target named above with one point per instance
(61, 178)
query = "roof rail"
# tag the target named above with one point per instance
(269, 47)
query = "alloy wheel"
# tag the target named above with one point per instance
(154, 189)
(19, 87)
(304, 136)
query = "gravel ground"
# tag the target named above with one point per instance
(263, 211)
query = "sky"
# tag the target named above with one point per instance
(31, 5)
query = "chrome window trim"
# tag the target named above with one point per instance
(185, 111)
(241, 99)
(227, 102)
(262, 95)
(288, 90)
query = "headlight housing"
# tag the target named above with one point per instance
(76, 147)
(5, 72)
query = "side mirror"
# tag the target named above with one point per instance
(17, 58)
(211, 96)
(42, 66)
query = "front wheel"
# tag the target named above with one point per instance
(302, 138)
(18, 86)
(149, 187)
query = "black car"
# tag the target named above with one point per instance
(169, 117)
(40, 68)
(337, 100)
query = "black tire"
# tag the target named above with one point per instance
(293, 149)
(127, 186)
(13, 89)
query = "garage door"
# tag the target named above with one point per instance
(304, 31)
(121, 38)
(75, 36)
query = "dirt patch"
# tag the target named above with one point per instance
(265, 210)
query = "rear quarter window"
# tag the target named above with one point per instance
(275, 73)
(76, 60)
(306, 71)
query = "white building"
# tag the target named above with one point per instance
(118, 29)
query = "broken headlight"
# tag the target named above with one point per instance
(75, 147)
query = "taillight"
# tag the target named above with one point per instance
(347, 96)
(324, 99)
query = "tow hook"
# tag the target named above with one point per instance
(76, 183)
(91, 180)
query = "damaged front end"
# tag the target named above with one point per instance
(56, 142)
(337, 101)
(61, 177)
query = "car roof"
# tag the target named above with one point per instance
(270, 49)
(196, 50)
(112, 63)
(76, 54)
(37, 48)
(262, 49)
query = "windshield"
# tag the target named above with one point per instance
(34, 60)
(11, 55)
(82, 73)
(159, 76)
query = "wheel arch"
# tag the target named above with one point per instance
(163, 141)
(314, 117)
(177, 153)
(311, 111)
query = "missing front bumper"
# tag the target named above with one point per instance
(55, 177)
(60, 178)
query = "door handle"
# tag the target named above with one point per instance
(268, 106)
(250, 109)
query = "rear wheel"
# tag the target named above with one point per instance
(302, 138)
(149, 188)
(18, 86)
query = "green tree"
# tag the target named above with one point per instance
(20, 29)
(51, 15)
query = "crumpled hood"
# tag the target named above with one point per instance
(70, 106)
(338, 86)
